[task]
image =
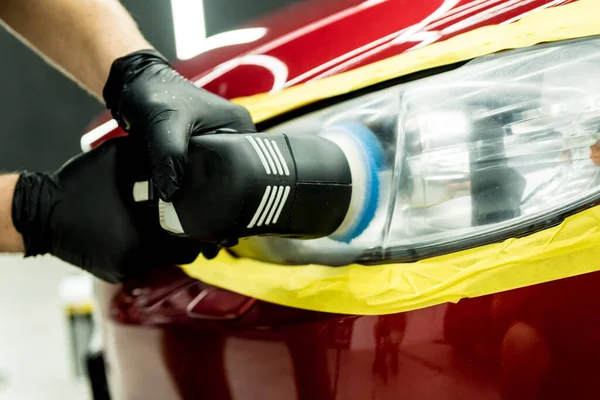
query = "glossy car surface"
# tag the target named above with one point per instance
(168, 336)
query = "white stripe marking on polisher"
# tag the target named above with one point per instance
(280, 156)
(277, 162)
(267, 155)
(260, 207)
(141, 191)
(260, 154)
(275, 205)
(267, 208)
(282, 204)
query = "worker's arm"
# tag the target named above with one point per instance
(80, 37)
(97, 43)
(10, 240)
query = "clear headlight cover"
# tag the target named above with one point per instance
(504, 145)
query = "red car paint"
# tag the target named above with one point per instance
(169, 336)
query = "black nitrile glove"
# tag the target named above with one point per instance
(161, 109)
(86, 215)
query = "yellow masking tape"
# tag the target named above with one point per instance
(84, 308)
(570, 249)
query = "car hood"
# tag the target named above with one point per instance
(315, 39)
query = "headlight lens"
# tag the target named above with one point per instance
(502, 146)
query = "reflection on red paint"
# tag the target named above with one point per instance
(539, 342)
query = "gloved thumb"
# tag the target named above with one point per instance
(167, 134)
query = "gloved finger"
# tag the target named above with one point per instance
(210, 251)
(222, 115)
(242, 120)
(167, 134)
(172, 250)
(167, 173)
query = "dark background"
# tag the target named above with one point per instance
(43, 113)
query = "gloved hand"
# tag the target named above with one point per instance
(161, 109)
(86, 215)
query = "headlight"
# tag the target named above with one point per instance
(500, 147)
